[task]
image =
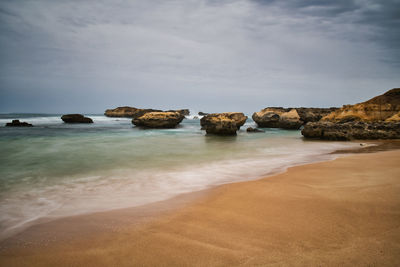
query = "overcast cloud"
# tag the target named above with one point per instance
(230, 55)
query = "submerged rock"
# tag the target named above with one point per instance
(17, 123)
(76, 118)
(159, 120)
(253, 130)
(223, 123)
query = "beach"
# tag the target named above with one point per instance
(344, 212)
(199, 133)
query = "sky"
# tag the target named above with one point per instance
(84, 56)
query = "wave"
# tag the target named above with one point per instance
(127, 187)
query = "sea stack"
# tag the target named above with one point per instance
(377, 118)
(223, 123)
(159, 120)
(76, 118)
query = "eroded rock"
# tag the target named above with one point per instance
(380, 108)
(159, 120)
(223, 123)
(278, 118)
(351, 130)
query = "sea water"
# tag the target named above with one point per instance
(55, 169)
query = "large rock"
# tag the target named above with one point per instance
(131, 112)
(128, 112)
(223, 123)
(289, 118)
(76, 118)
(159, 120)
(351, 130)
(379, 108)
(278, 118)
(377, 118)
(17, 123)
(313, 114)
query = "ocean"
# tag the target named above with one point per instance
(55, 169)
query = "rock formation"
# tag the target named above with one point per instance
(379, 108)
(131, 112)
(128, 112)
(288, 118)
(17, 123)
(278, 118)
(202, 113)
(377, 118)
(159, 120)
(313, 114)
(253, 130)
(223, 123)
(351, 130)
(76, 118)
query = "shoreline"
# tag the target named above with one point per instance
(104, 224)
(165, 204)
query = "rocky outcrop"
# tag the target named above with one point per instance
(76, 118)
(128, 112)
(131, 112)
(380, 108)
(17, 123)
(253, 130)
(313, 114)
(159, 120)
(202, 113)
(288, 118)
(351, 130)
(377, 118)
(278, 118)
(223, 123)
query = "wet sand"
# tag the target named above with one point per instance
(344, 212)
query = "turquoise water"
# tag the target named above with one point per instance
(55, 169)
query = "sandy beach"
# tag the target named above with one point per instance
(344, 212)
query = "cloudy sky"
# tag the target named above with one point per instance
(228, 55)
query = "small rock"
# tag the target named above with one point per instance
(17, 123)
(76, 118)
(253, 130)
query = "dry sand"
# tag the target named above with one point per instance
(344, 212)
